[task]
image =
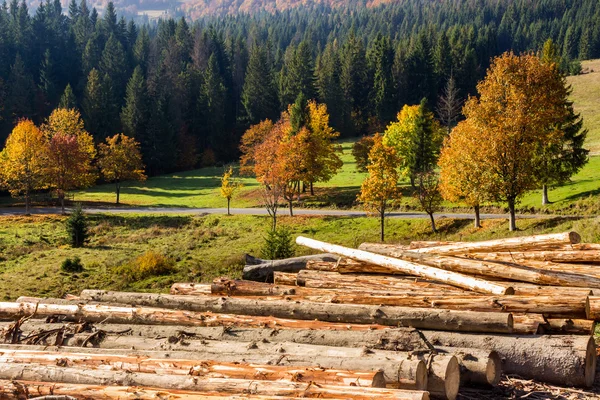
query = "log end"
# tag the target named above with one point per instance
(379, 380)
(509, 291)
(590, 362)
(574, 238)
(510, 322)
(452, 379)
(422, 376)
(493, 371)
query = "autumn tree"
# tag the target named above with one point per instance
(229, 186)
(462, 174)
(360, 151)
(120, 160)
(69, 154)
(417, 138)
(449, 104)
(428, 195)
(22, 161)
(380, 188)
(520, 111)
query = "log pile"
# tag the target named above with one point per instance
(418, 321)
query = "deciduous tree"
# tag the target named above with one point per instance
(69, 154)
(380, 189)
(120, 160)
(22, 161)
(230, 185)
(428, 195)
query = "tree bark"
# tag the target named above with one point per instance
(424, 318)
(62, 203)
(477, 221)
(452, 278)
(432, 220)
(291, 209)
(486, 268)
(443, 378)
(228, 205)
(191, 288)
(203, 368)
(198, 383)
(568, 326)
(555, 256)
(512, 218)
(27, 201)
(312, 189)
(382, 222)
(118, 185)
(263, 272)
(545, 201)
(282, 278)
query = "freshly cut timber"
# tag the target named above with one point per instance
(592, 308)
(205, 368)
(199, 383)
(487, 268)
(149, 316)
(400, 370)
(568, 326)
(190, 288)
(444, 375)
(22, 390)
(262, 270)
(528, 323)
(424, 318)
(347, 266)
(481, 367)
(283, 278)
(556, 256)
(452, 278)
(236, 287)
(523, 243)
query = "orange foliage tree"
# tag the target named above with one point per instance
(22, 161)
(70, 153)
(120, 160)
(380, 188)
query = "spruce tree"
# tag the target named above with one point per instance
(383, 90)
(68, 99)
(20, 91)
(135, 111)
(259, 94)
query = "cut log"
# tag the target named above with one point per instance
(452, 278)
(204, 368)
(199, 383)
(263, 271)
(284, 278)
(569, 326)
(592, 308)
(423, 318)
(190, 288)
(523, 243)
(479, 367)
(400, 370)
(528, 323)
(487, 268)
(559, 256)
(22, 390)
(443, 375)
(149, 316)
(236, 287)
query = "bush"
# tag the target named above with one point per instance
(146, 265)
(72, 265)
(77, 227)
(278, 244)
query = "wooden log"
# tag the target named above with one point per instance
(568, 326)
(149, 316)
(23, 390)
(417, 244)
(423, 318)
(443, 376)
(558, 256)
(236, 287)
(263, 271)
(477, 367)
(190, 288)
(488, 268)
(400, 370)
(452, 278)
(284, 278)
(204, 368)
(592, 308)
(528, 323)
(523, 243)
(199, 383)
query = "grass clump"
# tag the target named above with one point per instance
(147, 265)
(72, 265)
(279, 244)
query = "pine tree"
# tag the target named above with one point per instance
(68, 99)
(354, 85)
(383, 91)
(93, 103)
(215, 101)
(20, 91)
(73, 10)
(47, 78)
(298, 76)
(141, 48)
(328, 84)
(135, 111)
(113, 63)
(110, 20)
(259, 94)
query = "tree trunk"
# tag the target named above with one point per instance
(62, 203)
(263, 272)
(569, 326)
(486, 268)
(312, 189)
(423, 318)
(291, 208)
(274, 220)
(118, 185)
(443, 378)
(452, 278)
(27, 201)
(545, 200)
(477, 221)
(202, 368)
(433, 229)
(190, 288)
(282, 278)
(228, 204)
(197, 383)
(11, 389)
(382, 218)
(512, 218)
(552, 260)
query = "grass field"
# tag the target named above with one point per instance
(202, 248)
(586, 97)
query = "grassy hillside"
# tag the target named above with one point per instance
(586, 98)
(202, 248)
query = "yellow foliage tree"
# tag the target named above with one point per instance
(380, 188)
(120, 160)
(22, 161)
(518, 113)
(229, 186)
(70, 153)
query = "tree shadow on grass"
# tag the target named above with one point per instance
(549, 223)
(142, 221)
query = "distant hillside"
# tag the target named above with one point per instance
(586, 98)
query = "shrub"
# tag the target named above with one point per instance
(146, 265)
(72, 265)
(278, 244)
(77, 227)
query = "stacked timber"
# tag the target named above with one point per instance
(382, 321)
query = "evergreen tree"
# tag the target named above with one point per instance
(20, 91)
(113, 63)
(354, 85)
(68, 99)
(328, 84)
(73, 10)
(214, 100)
(141, 48)
(93, 103)
(383, 91)
(110, 20)
(135, 111)
(259, 95)
(298, 76)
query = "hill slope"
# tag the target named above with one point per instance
(586, 98)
